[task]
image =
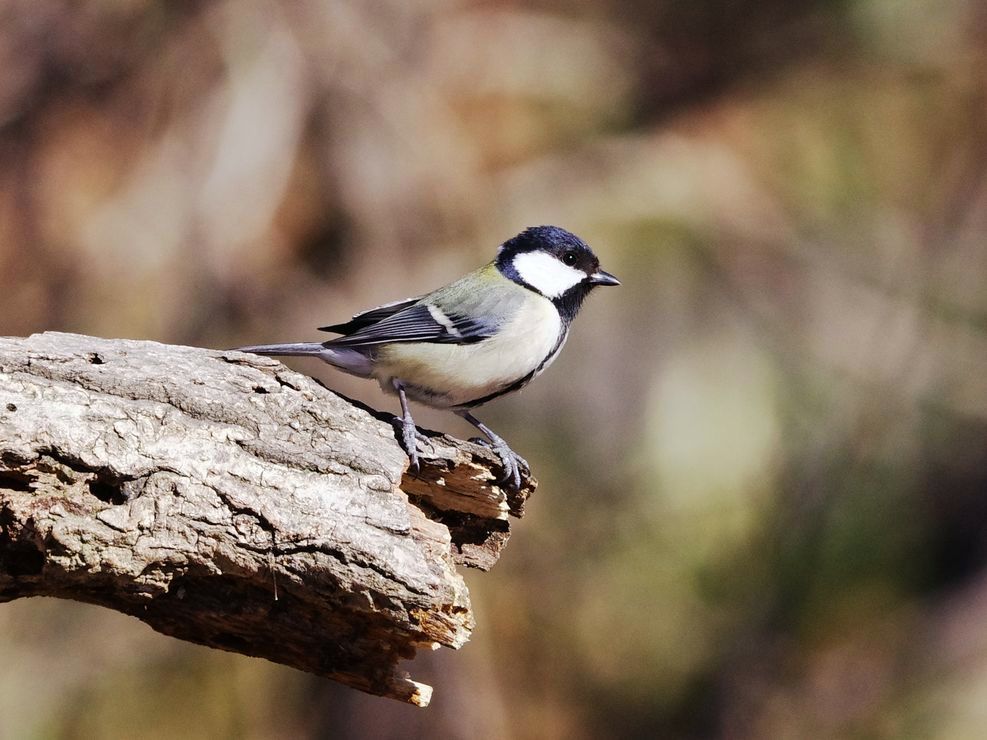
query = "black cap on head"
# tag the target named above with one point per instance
(563, 245)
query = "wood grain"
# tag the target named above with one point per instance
(224, 499)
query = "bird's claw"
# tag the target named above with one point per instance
(512, 462)
(410, 437)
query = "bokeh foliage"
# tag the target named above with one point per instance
(763, 509)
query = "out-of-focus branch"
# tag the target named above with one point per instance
(224, 499)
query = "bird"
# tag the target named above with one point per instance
(467, 343)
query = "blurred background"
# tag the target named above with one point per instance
(763, 459)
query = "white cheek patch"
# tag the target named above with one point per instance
(546, 274)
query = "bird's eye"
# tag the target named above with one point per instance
(569, 258)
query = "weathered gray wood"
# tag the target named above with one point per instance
(224, 499)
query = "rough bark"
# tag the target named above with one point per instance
(224, 499)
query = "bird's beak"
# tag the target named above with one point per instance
(602, 277)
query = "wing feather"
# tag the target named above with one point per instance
(372, 316)
(419, 322)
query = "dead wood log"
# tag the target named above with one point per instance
(224, 499)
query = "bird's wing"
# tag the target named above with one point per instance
(419, 322)
(366, 318)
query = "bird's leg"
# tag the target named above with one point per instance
(410, 435)
(513, 463)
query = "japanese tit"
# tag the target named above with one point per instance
(483, 336)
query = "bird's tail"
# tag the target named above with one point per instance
(349, 360)
(295, 349)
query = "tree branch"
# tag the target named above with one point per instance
(224, 499)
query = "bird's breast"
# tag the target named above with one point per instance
(451, 375)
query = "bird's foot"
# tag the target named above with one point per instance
(410, 438)
(512, 462)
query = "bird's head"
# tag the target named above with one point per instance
(555, 263)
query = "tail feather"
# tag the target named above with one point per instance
(352, 361)
(295, 349)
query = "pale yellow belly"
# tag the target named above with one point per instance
(450, 375)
